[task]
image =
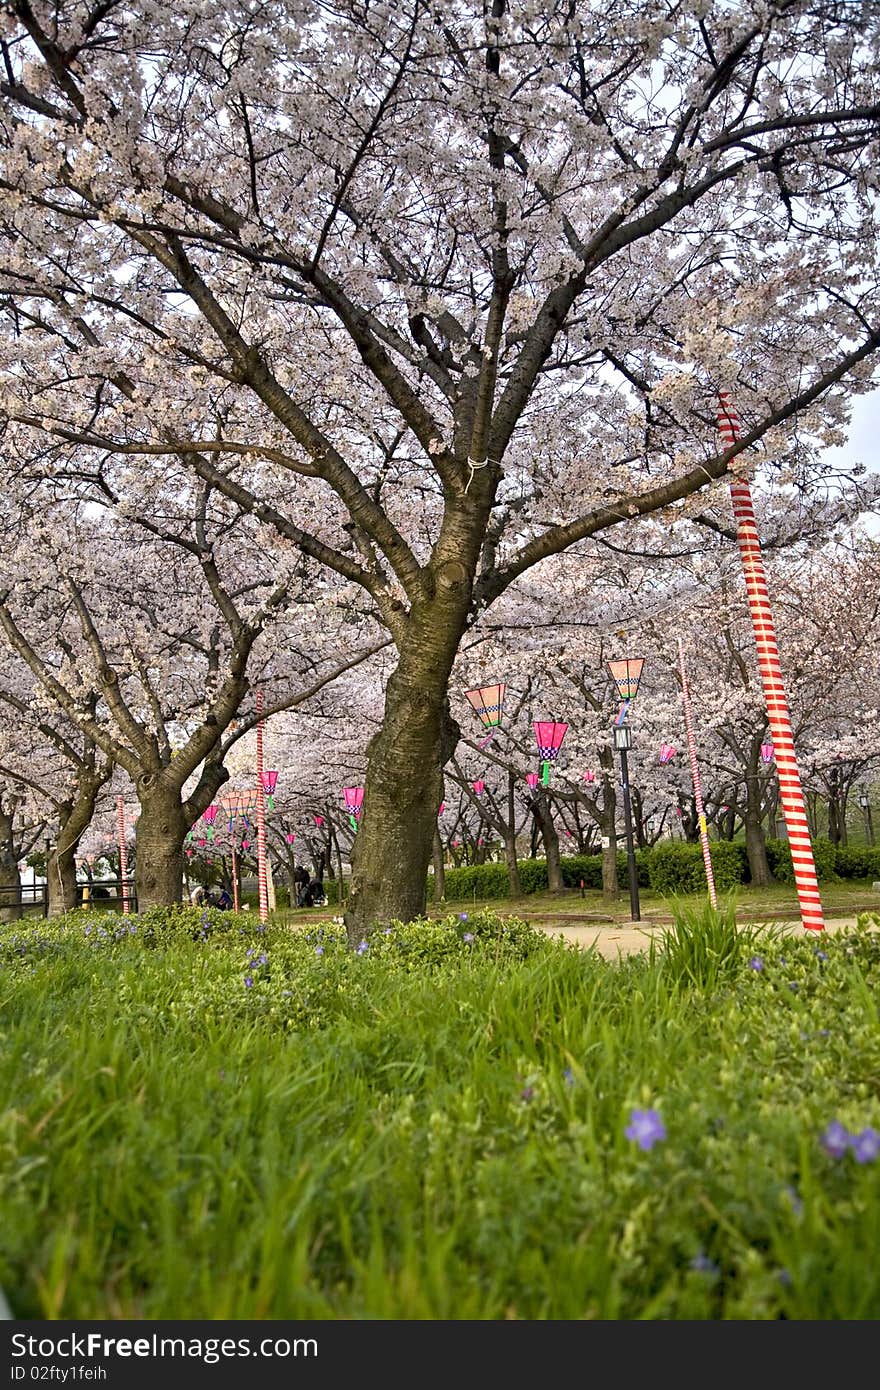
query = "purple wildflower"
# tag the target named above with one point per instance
(362, 948)
(468, 936)
(319, 950)
(835, 1141)
(821, 955)
(703, 1265)
(248, 982)
(646, 1128)
(463, 917)
(527, 1093)
(568, 1076)
(756, 963)
(866, 1145)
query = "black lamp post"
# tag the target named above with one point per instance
(626, 675)
(623, 742)
(865, 803)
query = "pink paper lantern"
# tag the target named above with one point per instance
(290, 838)
(211, 814)
(354, 800)
(767, 752)
(319, 821)
(479, 788)
(532, 779)
(442, 808)
(667, 752)
(589, 775)
(549, 734)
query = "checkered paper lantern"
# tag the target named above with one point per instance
(626, 675)
(549, 734)
(767, 753)
(269, 781)
(667, 752)
(354, 798)
(488, 704)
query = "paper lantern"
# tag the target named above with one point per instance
(626, 675)
(354, 798)
(589, 775)
(269, 782)
(767, 752)
(488, 703)
(319, 821)
(667, 752)
(479, 788)
(532, 779)
(290, 838)
(549, 734)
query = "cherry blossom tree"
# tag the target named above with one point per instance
(438, 295)
(141, 644)
(63, 770)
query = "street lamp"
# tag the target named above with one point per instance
(623, 742)
(626, 675)
(865, 803)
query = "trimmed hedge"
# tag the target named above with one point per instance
(492, 881)
(857, 861)
(676, 867)
(670, 867)
(824, 857)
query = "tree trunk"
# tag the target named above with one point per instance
(61, 875)
(160, 833)
(439, 869)
(74, 819)
(10, 879)
(555, 881)
(756, 847)
(610, 885)
(404, 782)
(514, 883)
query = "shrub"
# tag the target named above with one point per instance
(857, 861)
(678, 868)
(779, 859)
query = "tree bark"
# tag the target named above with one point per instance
(404, 782)
(161, 829)
(541, 807)
(74, 819)
(439, 869)
(10, 879)
(756, 847)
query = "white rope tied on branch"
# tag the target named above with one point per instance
(473, 465)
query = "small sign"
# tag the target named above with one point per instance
(606, 841)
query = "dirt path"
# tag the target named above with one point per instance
(617, 939)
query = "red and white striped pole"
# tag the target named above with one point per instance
(695, 776)
(123, 858)
(790, 791)
(261, 818)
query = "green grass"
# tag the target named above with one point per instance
(433, 1129)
